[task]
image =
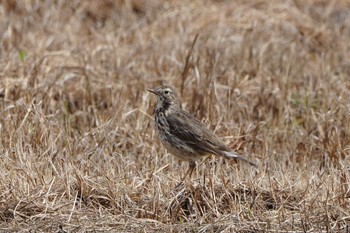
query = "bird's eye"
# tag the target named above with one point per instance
(166, 92)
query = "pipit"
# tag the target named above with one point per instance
(182, 134)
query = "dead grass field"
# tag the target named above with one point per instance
(78, 152)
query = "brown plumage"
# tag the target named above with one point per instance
(184, 135)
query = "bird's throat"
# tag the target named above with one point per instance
(165, 108)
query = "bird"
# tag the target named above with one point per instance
(182, 134)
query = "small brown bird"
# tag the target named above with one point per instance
(184, 135)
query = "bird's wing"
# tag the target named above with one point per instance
(197, 136)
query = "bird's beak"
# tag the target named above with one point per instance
(153, 91)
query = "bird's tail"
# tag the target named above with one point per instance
(231, 154)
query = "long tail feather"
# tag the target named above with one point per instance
(231, 154)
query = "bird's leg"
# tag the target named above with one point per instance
(191, 167)
(189, 172)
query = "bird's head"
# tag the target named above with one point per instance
(166, 95)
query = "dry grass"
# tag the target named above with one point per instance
(78, 151)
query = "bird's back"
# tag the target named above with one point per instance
(195, 134)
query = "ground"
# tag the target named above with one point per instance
(78, 150)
